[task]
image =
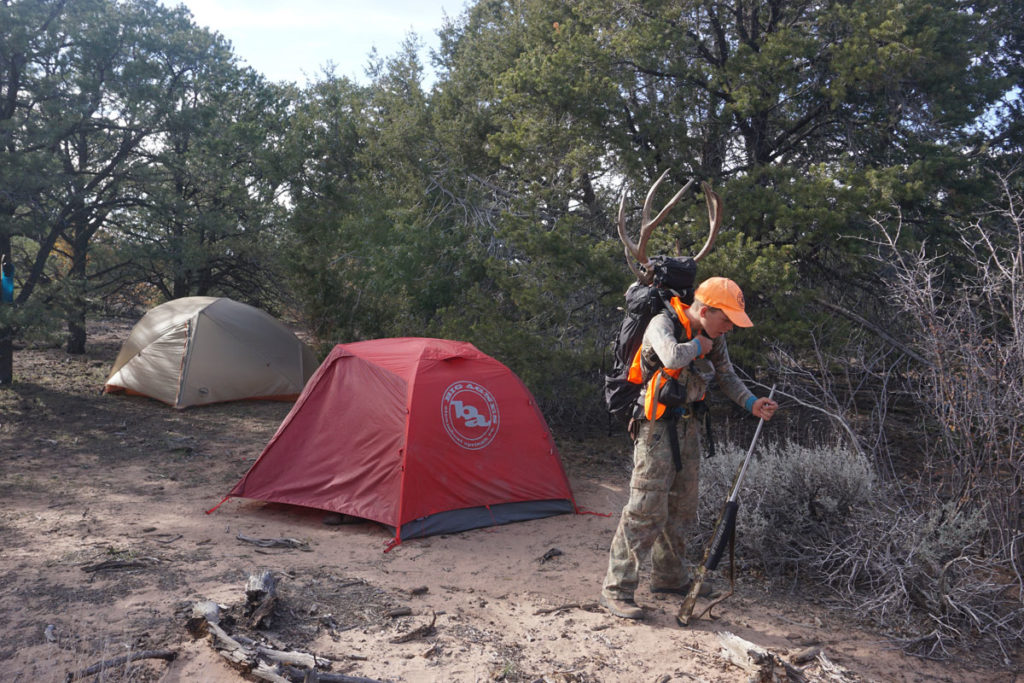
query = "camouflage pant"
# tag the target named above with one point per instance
(660, 513)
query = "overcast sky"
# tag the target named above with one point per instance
(292, 39)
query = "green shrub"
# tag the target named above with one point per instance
(793, 496)
(915, 568)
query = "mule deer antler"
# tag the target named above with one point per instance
(636, 253)
(714, 203)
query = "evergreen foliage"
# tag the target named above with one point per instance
(140, 162)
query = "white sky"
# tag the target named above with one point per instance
(292, 39)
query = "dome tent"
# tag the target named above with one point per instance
(200, 349)
(425, 436)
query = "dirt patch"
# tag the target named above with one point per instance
(106, 546)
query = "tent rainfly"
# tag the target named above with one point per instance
(201, 349)
(425, 436)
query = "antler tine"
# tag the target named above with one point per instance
(641, 276)
(649, 225)
(637, 252)
(714, 203)
(631, 249)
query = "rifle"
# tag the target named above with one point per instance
(725, 532)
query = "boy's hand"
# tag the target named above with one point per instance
(705, 342)
(764, 408)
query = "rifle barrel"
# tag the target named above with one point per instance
(746, 460)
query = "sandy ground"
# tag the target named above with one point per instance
(105, 546)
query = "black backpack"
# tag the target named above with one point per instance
(672, 277)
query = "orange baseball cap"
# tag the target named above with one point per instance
(723, 293)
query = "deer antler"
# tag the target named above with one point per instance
(714, 203)
(638, 252)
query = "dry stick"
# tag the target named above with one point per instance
(863, 322)
(571, 605)
(265, 672)
(169, 540)
(274, 542)
(294, 658)
(138, 563)
(168, 655)
(225, 641)
(838, 418)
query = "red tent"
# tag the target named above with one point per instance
(426, 436)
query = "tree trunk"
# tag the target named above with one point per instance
(76, 312)
(6, 356)
(76, 330)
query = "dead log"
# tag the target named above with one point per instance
(292, 658)
(763, 665)
(259, 584)
(243, 658)
(248, 656)
(207, 609)
(808, 654)
(260, 598)
(168, 655)
(264, 672)
(832, 672)
(224, 642)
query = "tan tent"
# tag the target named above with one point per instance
(204, 349)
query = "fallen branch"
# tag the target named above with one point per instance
(250, 658)
(808, 654)
(293, 658)
(275, 542)
(875, 329)
(168, 540)
(208, 609)
(589, 606)
(137, 563)
(764, 665)
(168, 655)
(258, 659)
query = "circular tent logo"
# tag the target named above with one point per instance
(469, 414)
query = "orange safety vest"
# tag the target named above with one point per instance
(661, 376)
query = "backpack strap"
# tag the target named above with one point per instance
(650, 366)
